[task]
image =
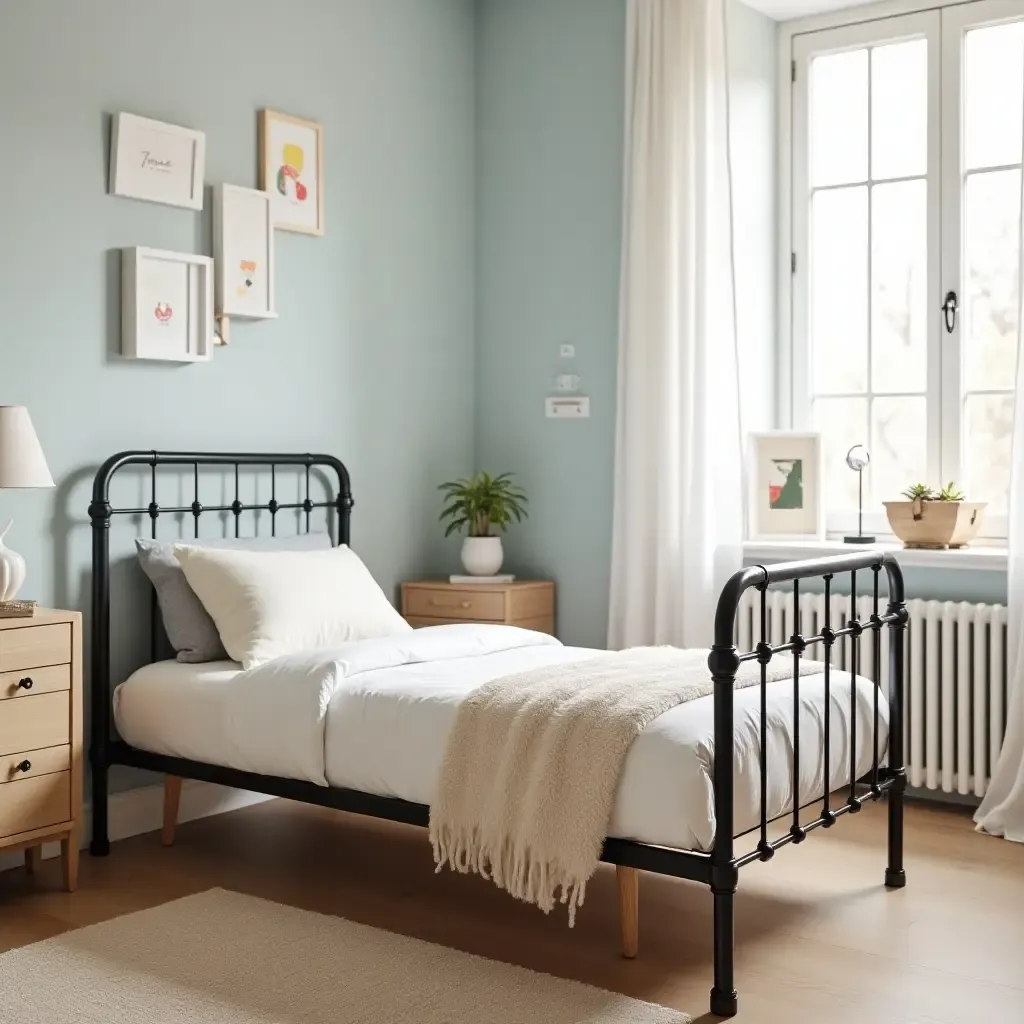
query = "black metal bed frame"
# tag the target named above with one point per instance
(718, 869)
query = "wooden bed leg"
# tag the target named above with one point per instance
(69, 860)
(629, 909)
(172, 798)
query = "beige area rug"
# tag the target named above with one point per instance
(223, 958)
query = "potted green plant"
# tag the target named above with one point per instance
(930, 519)
(483, 506)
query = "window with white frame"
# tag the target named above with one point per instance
(907, 141)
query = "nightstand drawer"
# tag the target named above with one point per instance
(32, 646)
(32, 723)
(40, 762)
(460, 605)
(33, 681)
(35, 803)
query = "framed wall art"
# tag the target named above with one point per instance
(166, 305)
(158, 162)
(243, 248)
(291, 161)
(784, 490)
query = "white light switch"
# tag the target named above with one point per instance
(567, 408)
(567, 351)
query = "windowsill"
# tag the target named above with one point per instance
(979, 557)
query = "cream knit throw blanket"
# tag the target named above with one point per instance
(533, 761)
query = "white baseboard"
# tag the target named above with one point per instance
(135, 811)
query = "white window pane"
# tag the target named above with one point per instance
(899, 109)
(899, 283)
(842, 423)
(988, 427)
(993, 95)
(839, 118)
(899, 450)
(991, 256)
(838, 278)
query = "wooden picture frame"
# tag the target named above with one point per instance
(156, 162)
(243, 249)
(166, 305)
(784, 474)
(289, 173)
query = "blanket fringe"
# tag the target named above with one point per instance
(516, 869)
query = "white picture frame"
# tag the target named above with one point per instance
(243, 249)
(291, 170)
(784, 474)
(166, 305)
(156, 162)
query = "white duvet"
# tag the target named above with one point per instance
(375, 716)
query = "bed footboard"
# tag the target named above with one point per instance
(888, 778)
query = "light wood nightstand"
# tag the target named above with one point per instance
(522, 603)
(41, 736)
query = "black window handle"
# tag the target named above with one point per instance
(949, 308)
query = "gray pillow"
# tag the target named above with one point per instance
(188, 625)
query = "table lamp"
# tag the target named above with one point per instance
(22, 464)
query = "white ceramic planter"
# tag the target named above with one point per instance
(482, 556)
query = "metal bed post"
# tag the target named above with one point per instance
(724, 663)
(895, 876)
(99, 748)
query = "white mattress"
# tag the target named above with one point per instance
(383, 731)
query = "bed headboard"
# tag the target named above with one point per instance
(337, 501)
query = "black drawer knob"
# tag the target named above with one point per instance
(26, 683)
(25, 766)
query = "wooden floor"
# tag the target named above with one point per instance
(818, 937)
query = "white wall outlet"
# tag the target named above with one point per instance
(567, 408)
(567, 382)
(567, 351)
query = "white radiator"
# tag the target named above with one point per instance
(954, 677)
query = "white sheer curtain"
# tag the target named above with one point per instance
(1002, 810)
(678, 465)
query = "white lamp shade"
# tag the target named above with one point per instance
(22, 463)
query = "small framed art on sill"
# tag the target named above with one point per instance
(784, 486)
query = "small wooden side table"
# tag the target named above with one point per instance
(41, 736)
(526, 603)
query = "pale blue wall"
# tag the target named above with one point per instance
(549, 187)
(372, 357)
(550, 114)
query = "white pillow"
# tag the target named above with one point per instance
(268, 603)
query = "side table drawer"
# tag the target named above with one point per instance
(460, 605)
(41, 762)
(35, 803)
(32, 646)
(32, 723)
(32, 681)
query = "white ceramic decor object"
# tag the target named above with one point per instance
(22, 464)
(12, 569)
(482, 556)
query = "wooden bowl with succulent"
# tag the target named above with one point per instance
(935, 519)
